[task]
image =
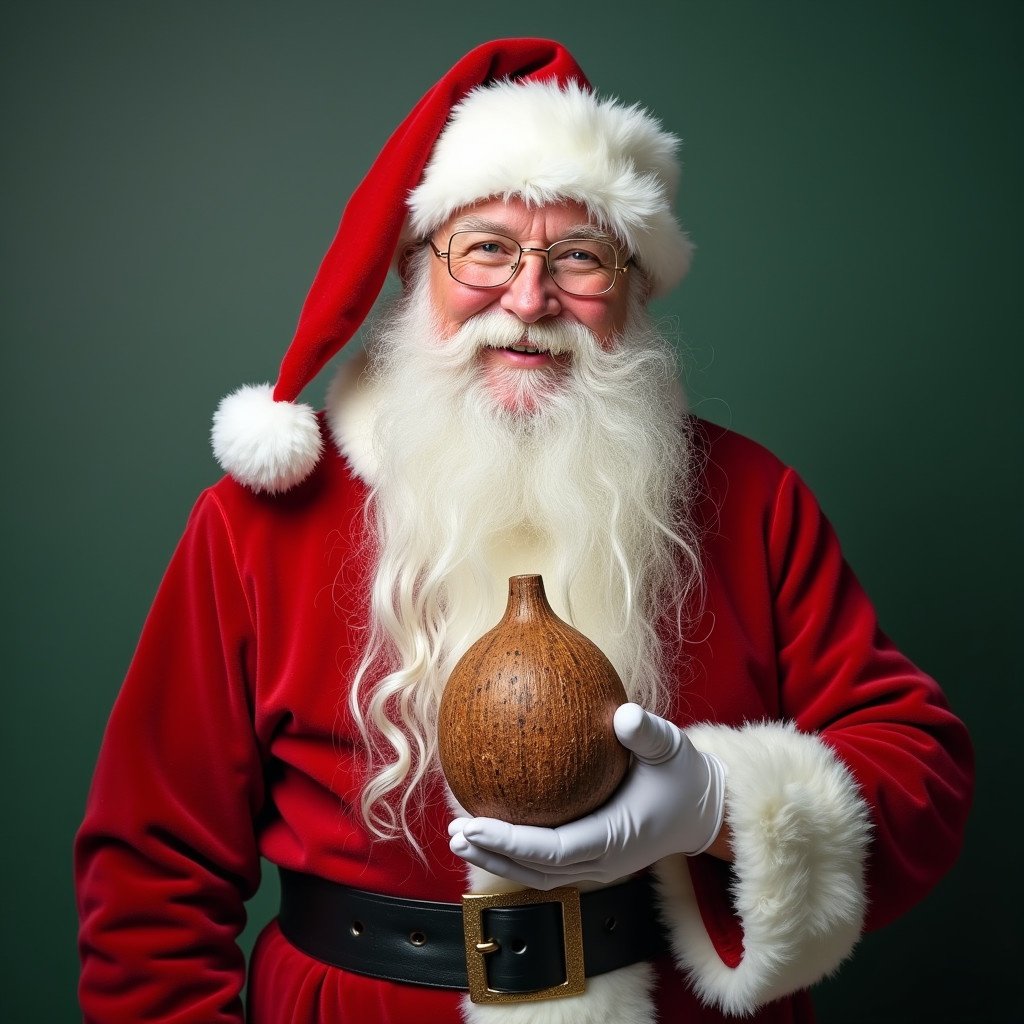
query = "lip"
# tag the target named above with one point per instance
(521, 360)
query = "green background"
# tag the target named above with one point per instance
(172, 175)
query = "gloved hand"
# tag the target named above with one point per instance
(671, 801)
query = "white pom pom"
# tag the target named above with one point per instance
(265, 445)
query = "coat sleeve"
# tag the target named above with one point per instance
(843, 814)
(167, 854)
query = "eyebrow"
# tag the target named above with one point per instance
(589, 231)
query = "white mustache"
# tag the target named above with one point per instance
(502, 330)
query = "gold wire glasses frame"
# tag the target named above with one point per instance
(578, 266)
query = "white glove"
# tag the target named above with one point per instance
(671, 801)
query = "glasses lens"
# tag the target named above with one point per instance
(482, 258)
(583, 266)
(579, 266)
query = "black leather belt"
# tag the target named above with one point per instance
(510, 947)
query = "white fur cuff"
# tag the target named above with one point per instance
(799, 833)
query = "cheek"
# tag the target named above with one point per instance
(455, 304)
(605, 319)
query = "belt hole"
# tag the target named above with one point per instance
(357, 928)
(517, 946)
(417, 938)
(610, 924)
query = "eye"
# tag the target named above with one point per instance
(582, 255)
(577, 258)
(484, 247)
(491, 248)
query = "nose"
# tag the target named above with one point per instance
(531, 294)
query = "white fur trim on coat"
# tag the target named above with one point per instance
(265, 445)
(353, 399)
(799, 835)
(548, 144)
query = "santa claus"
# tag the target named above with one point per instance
(794, 780)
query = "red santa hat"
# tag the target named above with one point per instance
(514, 117)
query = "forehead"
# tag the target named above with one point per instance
(524, 222)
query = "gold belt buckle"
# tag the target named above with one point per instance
(478, 945)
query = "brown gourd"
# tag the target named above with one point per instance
(525, 724)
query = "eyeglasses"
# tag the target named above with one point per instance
(483, 259)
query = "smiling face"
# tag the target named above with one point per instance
(531, 297)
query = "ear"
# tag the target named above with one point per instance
(645, 288)
(405, 264)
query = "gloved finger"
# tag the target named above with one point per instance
(527, 874)
(529, 843)
(579, 841)
(651, 738)
(501, 866)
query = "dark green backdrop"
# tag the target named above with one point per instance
(172, 175)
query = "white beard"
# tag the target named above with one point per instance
(581, 477)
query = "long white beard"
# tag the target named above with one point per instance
(583, 477)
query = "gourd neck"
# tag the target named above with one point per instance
(526, 599)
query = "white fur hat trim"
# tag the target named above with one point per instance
(265, 445)
(547, 144)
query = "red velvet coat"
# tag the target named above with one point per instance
(230, 740)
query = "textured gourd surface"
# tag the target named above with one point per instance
(525, 725)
